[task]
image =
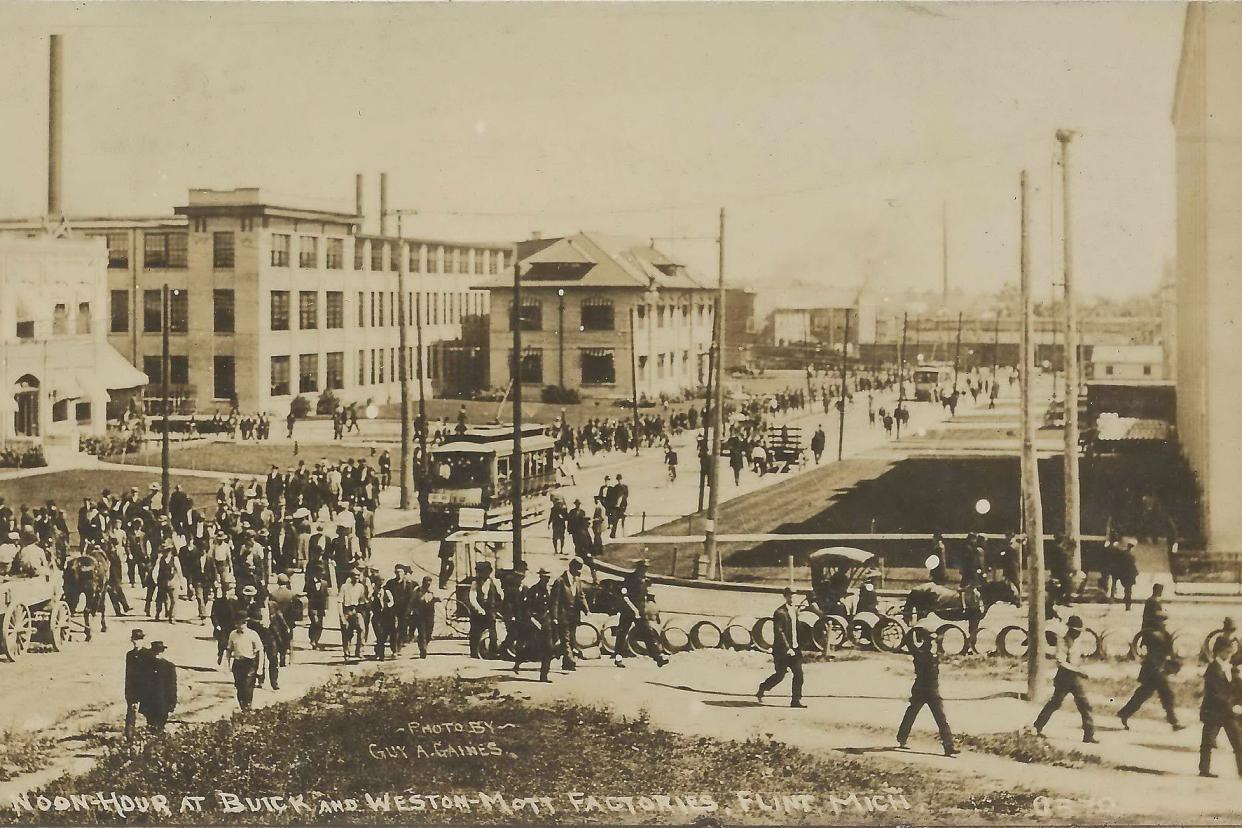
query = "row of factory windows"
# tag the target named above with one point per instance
(598, 366)
(434, 307)
(169, 249)
(596, 313)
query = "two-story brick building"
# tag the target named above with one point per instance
(602, 314)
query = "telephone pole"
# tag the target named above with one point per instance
(1073, 495)
(403, 363)
(1031, 502)
(164, 372)
(713, 464)
(901, 371)
(515, 462)
(845, 350)
(957, 352)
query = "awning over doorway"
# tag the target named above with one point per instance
(114, 372)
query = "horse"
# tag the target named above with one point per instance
(86, 575)
(969, 604)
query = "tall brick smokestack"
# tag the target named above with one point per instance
(54, 129)
(384, 220)
(360, 201)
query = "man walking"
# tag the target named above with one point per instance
(137, 676)
(353, 599)
(160, 698)
(424, 615)
(535, 640)
(618, 503)
(818, 441)
(631, 616)
(1068, 681)
(1153, 609)
(568, 604)
(786, 650)
(245, 650)
(925, 691)
(1218, 712)
(1158, 662)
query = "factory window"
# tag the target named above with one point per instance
(280, 250)
(532, 315)
(120, 311)
(659, 316)
(118, 250)
(335, 377)
(280, 376)
(152, 312)
(308, 251)
(83, 325)
(597, 314)
(452, 262)
(1147, 370)
(224, 311)
(394, 257)
(380, 351)
(362, 310)
(164, 250)
(359, 254)
(414, 260)
(433, 259)
(178, 311)
(308, 310)
(1108, 369)
(479, 255)
(491, 262)
(336, 309)
(378, 249)
(335, 254)
(362, 367)
(659, 366)
(179, 370)
(372, 366)
(222, 247)
(373, 317)
(60, 319)
(598, 367)
(280, 310)
(308, 373)
(152, 366)
(223, 378)
(532, 366)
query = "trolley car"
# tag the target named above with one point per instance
(471, 479)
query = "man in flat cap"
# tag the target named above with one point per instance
(631, 616)
(786, 650)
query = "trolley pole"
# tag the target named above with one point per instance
(713, 464)
(515, 463)
(845, 351)
(403, 365)
(1031, 502)
(164, 371)
(1073, 493)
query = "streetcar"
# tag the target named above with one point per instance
(471, 478)
(928, 378)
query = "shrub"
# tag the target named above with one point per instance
(560, 396)
(110, 445)
(327, 402)
(1027, 746)
(299, 407)
(30, 458)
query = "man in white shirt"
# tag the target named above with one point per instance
(352, 601)
(8, 551)
(245, 650)
(1068, 681)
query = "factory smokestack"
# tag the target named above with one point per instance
(384, 204)
(360, 201)
(54, 112)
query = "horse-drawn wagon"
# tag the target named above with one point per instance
(32, 610)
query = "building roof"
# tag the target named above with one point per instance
(596, 260)
(1127, 354)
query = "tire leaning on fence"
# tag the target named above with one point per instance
(889, 635)
(675, 636)
(608, 639)
(586, 636)
(706, 635)
(953, 639)
(861, 628)
(763, 634)
(1012, 642)
(830, 629)
(737, 634)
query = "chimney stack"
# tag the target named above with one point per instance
(54, 110)
(360, 201)
(384, 222)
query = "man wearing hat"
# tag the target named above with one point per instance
(1126, 570)
(353, 598)
(579, 526)
(535, 624)
(786, 650)
(926, 690)
(316, 604)
(160, 698)
(568, 603)
(245, 650)
(137, 675)
(1159, 662)
(31, 559)
(631, 616)
(8, 551)
(424, 614)
(484, 601)
(512, 606)
(1154, 614)
(1068, 681)
(1217, 710)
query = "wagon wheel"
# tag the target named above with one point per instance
(459, 626)
(889, 635)
(59, 625)
(953, 639)
(15, 631)
(831, 630)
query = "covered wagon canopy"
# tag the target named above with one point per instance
(842, 555)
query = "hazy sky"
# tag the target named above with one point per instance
(832, 133)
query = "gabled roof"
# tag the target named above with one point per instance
(597, 260)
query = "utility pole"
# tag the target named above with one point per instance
(845, 351)
(944, 254)
(560, 337)
(713, 465)
(1073, 494)
(403, 364)
(164, 371)
(515, 462)
(424, 480)
(996, 346)
(957, 351)
(1031, 502)
(634, 375)
(711, 374)
(901, 370)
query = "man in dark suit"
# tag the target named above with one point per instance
(534, 639)
(160, 698)
(1217, 711)
(1158, 662)
(925, 690)
(1153, 609)
(631, 615)
(786, 650)
(137, 670)
(568, 604)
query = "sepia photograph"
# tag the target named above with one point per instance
(621, 413)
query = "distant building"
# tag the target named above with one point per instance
(1124, 362)
(1207, 118)
(592, 306)
(273, 301)
(56, 367)
(740, 332)
(824, 322)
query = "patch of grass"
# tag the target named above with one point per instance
(22, 752)
(249, 457)
(324, 746)
(1026, 746)
(68, 488)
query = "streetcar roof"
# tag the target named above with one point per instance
(499, 447)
